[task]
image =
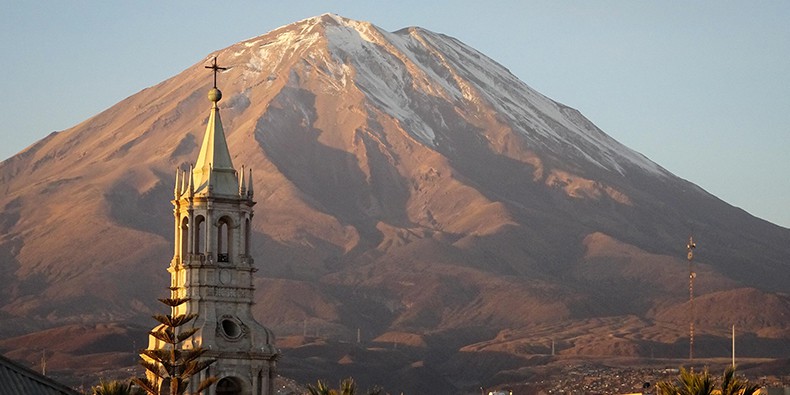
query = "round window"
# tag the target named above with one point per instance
(231, 329)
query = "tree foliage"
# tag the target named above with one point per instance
(116, 387)
(690, 383)
(173, 365)
(347, 387)
(732, 385)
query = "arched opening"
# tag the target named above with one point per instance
(229, 386)
(200, 231)
(184, 234)
(224, 239)
(247, 237)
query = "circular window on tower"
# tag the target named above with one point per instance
(231, 328)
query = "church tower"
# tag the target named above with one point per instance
(212, 266)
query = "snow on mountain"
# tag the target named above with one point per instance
(388, 67)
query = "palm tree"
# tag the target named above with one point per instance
(347, 387)
(320, 389)
(116, 387)
(687, 383)
(732, 385)
(690, 383)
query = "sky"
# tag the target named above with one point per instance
(700, 87)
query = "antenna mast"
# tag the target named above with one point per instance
(690, 248)
(733, 348)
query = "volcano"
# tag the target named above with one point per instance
(410, 192)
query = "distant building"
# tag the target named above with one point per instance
(212, 267)
(16, 379)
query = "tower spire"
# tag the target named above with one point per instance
(213, 162)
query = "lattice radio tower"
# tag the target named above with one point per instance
(690, 247)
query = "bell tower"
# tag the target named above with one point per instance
(213, 268)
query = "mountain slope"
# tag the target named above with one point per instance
(405, 182)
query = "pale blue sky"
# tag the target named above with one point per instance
(700, 87)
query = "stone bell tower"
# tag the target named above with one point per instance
(212, 266)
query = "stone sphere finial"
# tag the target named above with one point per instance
(214, 95)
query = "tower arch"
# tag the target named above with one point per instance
(225, 239)
(247, 237)
(183, 237)
(199, 235)
(229, 386)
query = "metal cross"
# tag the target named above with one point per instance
(216, 69)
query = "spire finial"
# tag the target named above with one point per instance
(215, 94)
(242, 183)
(176, 189)
(216, 69)
(250, 192)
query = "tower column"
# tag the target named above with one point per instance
(191, 229)
(210, 231)
(176, 234)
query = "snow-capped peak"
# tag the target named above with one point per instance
(399, 71)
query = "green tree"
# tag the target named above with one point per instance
(116, 387)
(173, 366)
(690, 383)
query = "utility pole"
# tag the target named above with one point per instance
(690, 248)
(733, 348)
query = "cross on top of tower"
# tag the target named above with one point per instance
(216, 69)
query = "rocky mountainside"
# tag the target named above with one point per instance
(409, 189)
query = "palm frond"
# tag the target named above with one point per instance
(205, 384)
(174, 321)
(159, 354)
(732, 385)
(186, 334)
(173, 302)
(192, 368)
(320, 389)
(348, 387)
(146, 385)
(154, 368)
(164, 334)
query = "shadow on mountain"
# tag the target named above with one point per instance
(330, 179)
(144, 211)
